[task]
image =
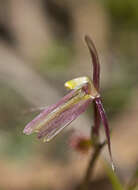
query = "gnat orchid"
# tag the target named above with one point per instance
(83, 92)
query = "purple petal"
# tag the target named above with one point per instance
(96, 80)
(105, 123)
(63, 119)
(97, 120)
(31, 126)
(95, 62)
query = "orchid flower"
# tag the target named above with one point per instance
(83, 92)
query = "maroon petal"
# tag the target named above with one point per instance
(96, 80)
(63, 119)
(95, 62)
(105, 123)
(31, 126)
(97, 120)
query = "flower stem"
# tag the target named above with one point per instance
(89, 171)
(92, 161)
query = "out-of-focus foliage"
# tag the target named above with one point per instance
(12, 107)
(116, 99)
(123, 13)
(56, 59)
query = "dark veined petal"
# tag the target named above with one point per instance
(95, 62)
(31, 126)
(97, 120)
(63, 119)
(105, 123)
(96, 80)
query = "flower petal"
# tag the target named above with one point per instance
(95, 62)
(96, 80)
(31, 126)
(105, 123)
(64, 118)
(97, 120)
(77, 83)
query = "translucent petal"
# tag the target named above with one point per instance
(63, 119)
(31, 126)
(77, 83)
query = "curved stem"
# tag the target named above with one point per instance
(92, 161)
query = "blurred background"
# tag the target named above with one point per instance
(42, 46)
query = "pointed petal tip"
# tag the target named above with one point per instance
(113, 166)
(27, 131)
(112, 162)
(95, 60)
(106, 127)
(89, 41)
(86, 37)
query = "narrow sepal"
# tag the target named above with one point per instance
(95, 62)
(97, 120)
(106, 126)
(96, 80)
